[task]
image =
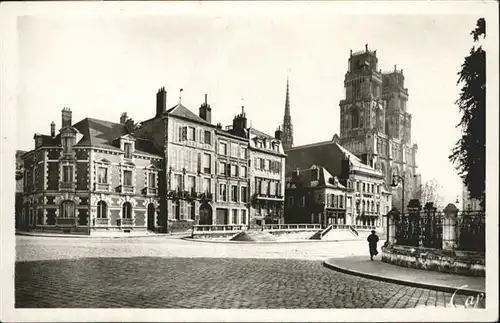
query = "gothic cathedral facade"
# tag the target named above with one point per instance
(375, 124)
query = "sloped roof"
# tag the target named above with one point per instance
(305, 178)
(259, 133)
(181, 111)
(327, 154)
(100, 133)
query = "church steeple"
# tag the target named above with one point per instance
(287, 121)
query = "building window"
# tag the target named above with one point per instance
(127, 178)
(290, 201)
(192, 133)
(341, 202)
(67, 174)
(67, 209)
(208, 137)
(190, 210)
(222, 168)
(243, 152)
(206, 163)
(264, 187)
(357, 186)
(182, 133)
(234, 171)
(222, 193)
(191, 184)
(314, 175)
(222, 149)
(244, 219)
(235, 216)
(128, 150)
(378, 189)
(178, 182)
(127, 210)
(364, 187)
(152, 180)
(206, 185)
(302, 201)
(349, 202)
(176, 210)
(244, 194)
(268, 165)
(378, 208)
(234, 193)
(243, 171)
(278, 188)
(102, 175)
(262, 164)
(102, 210)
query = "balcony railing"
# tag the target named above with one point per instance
(66, 222)
(69, 186)
(286, 227)
(151, 191)
(127, 189)
(101, 222)
(102, 187)
(126, 222)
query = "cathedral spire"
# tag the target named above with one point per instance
(287, 121)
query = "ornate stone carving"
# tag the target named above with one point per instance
(129, 199)
(67, 197)
(94, 199)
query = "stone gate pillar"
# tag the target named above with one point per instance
(449, 226)
(392, 217)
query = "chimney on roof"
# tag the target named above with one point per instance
(278, 134)
(205, 111)
(53, 129)
(161, 102)
(66, 118)
(123, 118)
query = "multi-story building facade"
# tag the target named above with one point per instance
(367, 197)
(315, 196)
(232, 179)
(164, 174)
(188, 144)
(93, 175)
(375, 122)
(267, 177)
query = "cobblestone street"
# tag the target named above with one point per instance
(71, 278)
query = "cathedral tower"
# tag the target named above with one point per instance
(287, 122)
(374, 122)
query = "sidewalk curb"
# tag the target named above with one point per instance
(466, 291)
(262, 242)
(84, 236)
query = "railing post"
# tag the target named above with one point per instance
(414, 229)
(449, 226)
(392, 216)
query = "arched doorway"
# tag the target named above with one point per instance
(151, 217)
(205, 214)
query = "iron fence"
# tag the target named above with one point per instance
(431, 224)
(408, 230)
(470, 231)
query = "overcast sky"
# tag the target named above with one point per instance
(102, 66)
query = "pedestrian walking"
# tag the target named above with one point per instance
(372, 243)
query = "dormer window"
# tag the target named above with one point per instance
(128, 149)
(314, 175)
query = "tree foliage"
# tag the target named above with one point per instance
(469, 153)
(429, 192)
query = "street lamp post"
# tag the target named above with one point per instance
(396, 179)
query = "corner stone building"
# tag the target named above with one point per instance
(374, 121)
(92, 176)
